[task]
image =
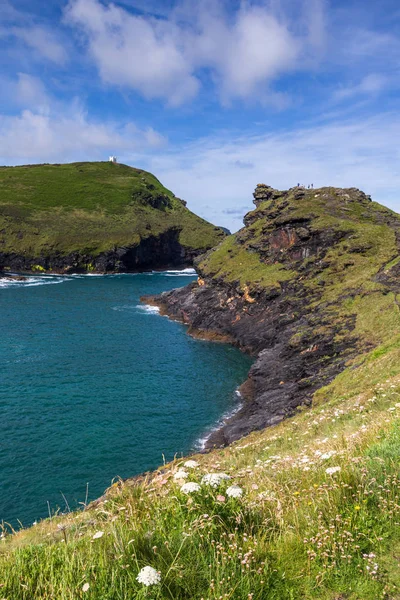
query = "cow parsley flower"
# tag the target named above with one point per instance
(234, 491)
(190, 487)
(149, 576)
(181, 474)
(191, 464)
(327, 455)
(332, 470)
(214, 479)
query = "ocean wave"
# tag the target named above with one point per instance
(189, 272)
(148, 309)
(31, 281)
(201, 442)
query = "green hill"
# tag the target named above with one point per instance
(95, 216)
(307, 508)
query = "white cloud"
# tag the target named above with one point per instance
(42, 41)
(28, 91)
(132, 51)
(54, 131)
(243, 52)
(370, 85)
(360, 153)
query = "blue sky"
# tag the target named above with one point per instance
(212, 96)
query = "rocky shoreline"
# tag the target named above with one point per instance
(301, 340)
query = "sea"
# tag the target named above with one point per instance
(97, 386)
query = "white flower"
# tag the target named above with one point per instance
(332, 470)
(149, 576)
(234, 491)
(190, 487)
(191, 464)
(85, 587)
(98, 535)
(327, 455)
(214, 479)
(181, 475)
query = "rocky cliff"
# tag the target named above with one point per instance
(97, 217)
(308, 286)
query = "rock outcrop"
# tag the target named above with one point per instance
(297, 287)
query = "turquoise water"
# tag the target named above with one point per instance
(94, 385)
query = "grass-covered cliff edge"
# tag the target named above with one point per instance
(95, 216)
(309, 286)
(314, 513)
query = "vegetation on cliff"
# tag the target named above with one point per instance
(83, 215)
(311, 285)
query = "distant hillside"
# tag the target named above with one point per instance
(95, 216)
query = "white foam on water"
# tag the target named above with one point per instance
(189, 272)
(148, 309)
(201, 442)
(124, 307)
(31, 281)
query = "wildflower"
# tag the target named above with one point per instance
(190, 487)
(220, 498)
(234, 491)
(85, 587)
(191, 464)
(327, 455)
(181, 474)
(98, 535)
(149, 576)
(357, 507)
(214, 479)
(332, 470)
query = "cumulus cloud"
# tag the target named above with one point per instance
(242, 52)
(132, 51)
(51, 130)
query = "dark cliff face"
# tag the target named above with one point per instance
(154, 252)
(300, 287)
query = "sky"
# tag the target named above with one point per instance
(212, 96)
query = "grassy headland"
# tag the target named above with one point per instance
(314, 278)
(84, 210)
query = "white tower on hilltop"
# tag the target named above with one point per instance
(112, 159)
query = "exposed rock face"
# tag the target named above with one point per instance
(264, 192)
(289, 288)
(159, 252)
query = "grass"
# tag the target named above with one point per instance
(90, 207)
(300, 531)
(231, 262)
(319, 518)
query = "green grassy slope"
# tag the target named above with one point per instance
(90, 207)
(319, 514)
